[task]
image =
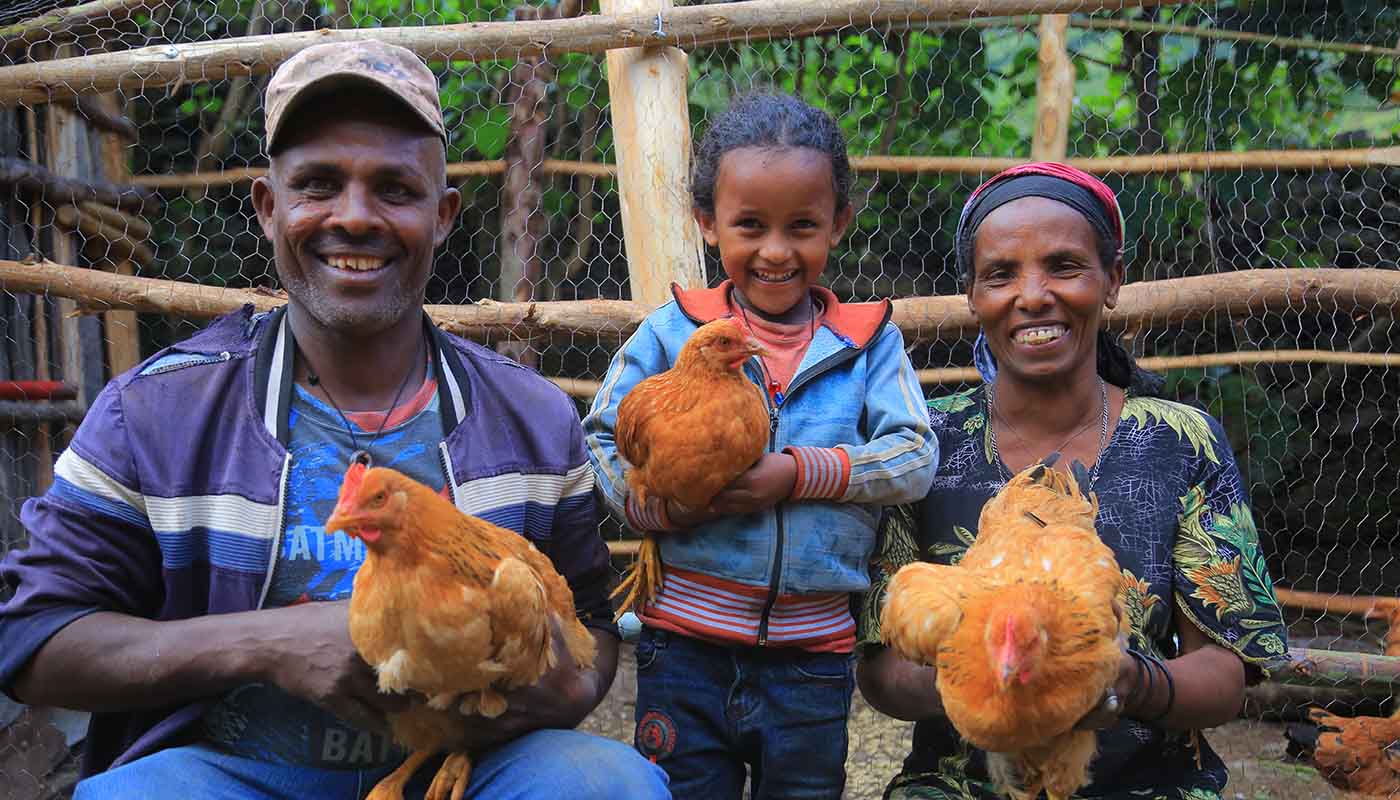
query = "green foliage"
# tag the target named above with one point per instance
(1264, 432)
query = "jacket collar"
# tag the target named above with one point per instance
(857, 322)
(274, 371)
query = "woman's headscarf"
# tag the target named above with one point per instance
(1094, 201)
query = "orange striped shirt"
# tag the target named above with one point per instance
(725, 612)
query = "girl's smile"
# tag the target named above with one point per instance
(775, 222)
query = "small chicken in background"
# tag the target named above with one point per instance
(1024, 632)
(1355, 754)
(687, 433)
(451, 607)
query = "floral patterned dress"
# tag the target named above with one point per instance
(1174, 508)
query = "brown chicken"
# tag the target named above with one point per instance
(1356, 754)
(1024, 632)
(451, 607)
(688, 432)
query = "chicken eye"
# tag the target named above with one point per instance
(379, 499)
(724, 340)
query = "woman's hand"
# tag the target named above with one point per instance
(897, 687)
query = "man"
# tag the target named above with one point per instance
(179, 583)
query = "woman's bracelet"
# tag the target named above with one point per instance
(1149, 663)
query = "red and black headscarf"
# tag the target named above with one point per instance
(1098, 205)
(1075, 188)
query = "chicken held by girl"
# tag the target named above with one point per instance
(745, 653)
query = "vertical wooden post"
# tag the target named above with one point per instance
(67, 139)
(1054, 91)
(123, 336)
(651, 135)
(43, 432)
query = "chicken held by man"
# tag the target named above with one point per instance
(452, 608)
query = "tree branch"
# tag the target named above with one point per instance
(58, 190)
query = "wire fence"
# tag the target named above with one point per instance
(1254, 146)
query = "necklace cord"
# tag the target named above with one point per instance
(1103, 430)
(360, 455)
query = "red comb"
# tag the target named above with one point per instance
(353, 478)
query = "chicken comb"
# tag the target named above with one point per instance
(353, 478)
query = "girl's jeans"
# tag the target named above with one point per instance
(705, 711)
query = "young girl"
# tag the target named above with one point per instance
(744, 658)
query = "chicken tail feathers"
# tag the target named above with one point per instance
(642, 581)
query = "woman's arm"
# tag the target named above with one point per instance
(1207, 685)
(897, 687)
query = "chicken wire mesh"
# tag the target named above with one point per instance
(157, 185)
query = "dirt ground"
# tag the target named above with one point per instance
(1253, 750)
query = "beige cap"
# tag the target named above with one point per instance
(386, 67)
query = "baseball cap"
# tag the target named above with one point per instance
(367, 63)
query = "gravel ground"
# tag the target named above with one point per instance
(1253, 750)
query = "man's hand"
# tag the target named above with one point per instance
(314, 659)
(560, 699)
(765, 484)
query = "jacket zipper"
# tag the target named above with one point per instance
(199, 360)
(446, 465)
(775, 578)
(281, 526)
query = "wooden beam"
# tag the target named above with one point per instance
(120, 246)
(44, 183)
(1054, 96)
(651, 129)
(944, 375)
(1363, 606)
(19, 412)
(1222, 161)
(1354, 158)
(1146, 304)
(1222, 34)
(65, 23)
(147, 68)
(1336, 669)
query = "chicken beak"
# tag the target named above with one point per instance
(755, 347)
(1005, 669)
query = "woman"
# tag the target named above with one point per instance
(1040, 248)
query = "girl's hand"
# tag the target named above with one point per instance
(766, 484)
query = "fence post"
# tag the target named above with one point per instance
(651, 135)
(1054, 95)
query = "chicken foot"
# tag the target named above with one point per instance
(451, 779)
(642, 580)
(390, 787)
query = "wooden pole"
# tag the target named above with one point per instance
(65, 23)
(1054, 97)
(1218, 161)
(147, 68)
(651, 131)
(1335, 669)
(68, 155)
(120, 328)
(1221, 34)
(1145, 304)
(944, 375)
(1364, 606)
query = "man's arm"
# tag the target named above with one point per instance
(561, 699)
(108, 661)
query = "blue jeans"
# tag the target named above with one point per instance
(544, 765)
(705, 711)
